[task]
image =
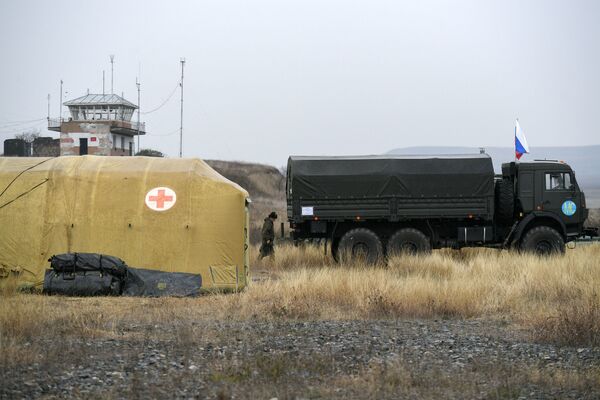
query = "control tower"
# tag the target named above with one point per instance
(99, 124)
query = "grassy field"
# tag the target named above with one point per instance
(556, 299)
(281, 336)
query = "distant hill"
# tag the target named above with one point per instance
(266, 186)
(585, 160)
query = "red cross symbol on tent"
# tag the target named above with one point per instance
(160, 199)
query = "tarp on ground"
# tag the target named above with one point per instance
(443, 176)
(90, 274)
(172, 215)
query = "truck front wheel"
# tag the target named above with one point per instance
(360, 243)
(408, 241)
(543, 240)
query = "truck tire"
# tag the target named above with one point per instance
(360, 242)
(505, 200)
(543, 240)
(408, 241)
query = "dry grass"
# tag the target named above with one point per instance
(556, 298)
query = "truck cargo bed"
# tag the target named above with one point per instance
(390, 187)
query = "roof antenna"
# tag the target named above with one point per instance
(137, 83)
(103, 91)
(182, 61)
(112, 62)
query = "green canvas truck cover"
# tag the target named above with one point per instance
(390, 187)
(444, 176)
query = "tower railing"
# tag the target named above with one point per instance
(54, 123)
(141, 125)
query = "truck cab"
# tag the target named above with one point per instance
(546, 193)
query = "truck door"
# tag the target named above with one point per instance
(561, 196)
(526, 190)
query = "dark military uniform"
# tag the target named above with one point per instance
(268, 235)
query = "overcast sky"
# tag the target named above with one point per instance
(266, 79)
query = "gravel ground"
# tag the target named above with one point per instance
(318, 359)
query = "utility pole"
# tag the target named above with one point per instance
(48, 106)
(60, 105)
(137, 82)
(182, 60)
(112, 62)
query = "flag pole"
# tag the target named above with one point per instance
(515, 140)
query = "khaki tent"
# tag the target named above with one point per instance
(173, 215)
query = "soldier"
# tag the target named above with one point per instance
(268, 236)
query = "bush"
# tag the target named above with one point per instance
(149, 153)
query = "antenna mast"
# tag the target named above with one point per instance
(48, 106)
(60, 104)
(103, 91)
(137, 82)
(182, 60)
(112, 62)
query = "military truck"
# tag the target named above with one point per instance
(377, 206)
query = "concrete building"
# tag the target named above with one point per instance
(40, 147)
(45, 147)
(99, 124)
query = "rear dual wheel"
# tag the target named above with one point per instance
(408, 241)
(360, 244)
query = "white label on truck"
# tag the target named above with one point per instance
(307, 210)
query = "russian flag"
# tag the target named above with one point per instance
(521, 146)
